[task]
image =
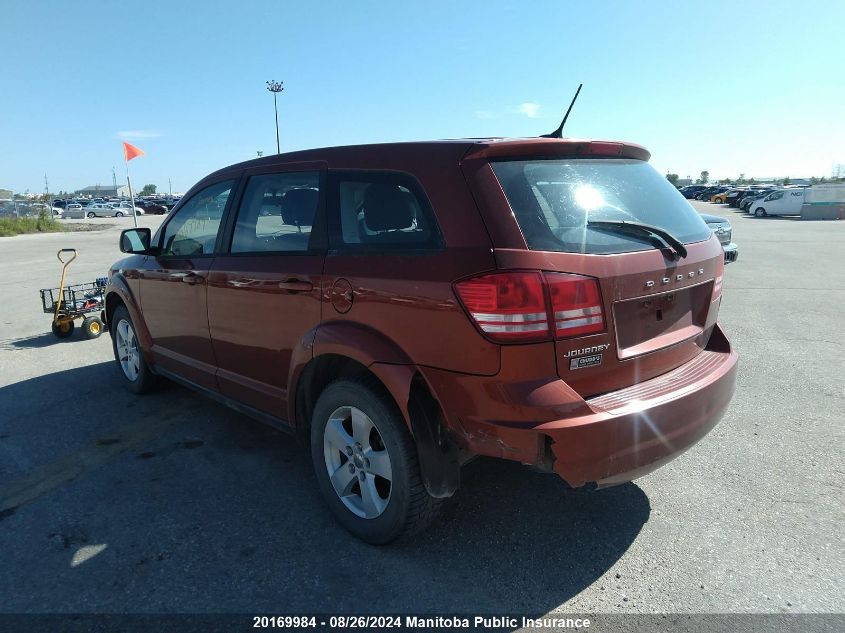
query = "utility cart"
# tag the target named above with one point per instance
(78, 301)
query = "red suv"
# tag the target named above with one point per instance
(406, 307)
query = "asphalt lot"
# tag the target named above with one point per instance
(169, 503)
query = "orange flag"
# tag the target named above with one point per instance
(130, 151)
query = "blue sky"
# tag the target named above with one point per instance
(732, 87)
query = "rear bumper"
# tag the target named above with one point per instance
(731, 252)
(606, 440)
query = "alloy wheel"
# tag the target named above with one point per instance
(127, 350)
(357, 462)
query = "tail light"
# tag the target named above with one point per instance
(507, 306)
(524, 306)
(576, 305)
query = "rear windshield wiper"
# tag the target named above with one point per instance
(638, 227)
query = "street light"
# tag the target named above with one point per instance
(276, 87)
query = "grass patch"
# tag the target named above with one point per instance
(41, 224)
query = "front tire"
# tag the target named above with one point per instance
(119, 214)
(366, 463)
(91, 214)
(133, 370)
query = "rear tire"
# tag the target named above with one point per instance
(760, 212)
(92, 327)
(91, 214)
(358, 435)
(133, 370)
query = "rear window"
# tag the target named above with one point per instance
(553, 201)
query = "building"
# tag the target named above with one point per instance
(5, 194)
(104, 191)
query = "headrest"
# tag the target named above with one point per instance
(388, 208)
(299, 206)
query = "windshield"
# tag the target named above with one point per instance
(554, 201)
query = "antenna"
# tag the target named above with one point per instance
(558, 133)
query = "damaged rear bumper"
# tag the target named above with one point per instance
(606, 440)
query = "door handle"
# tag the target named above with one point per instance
(189, 278)
(296, 285)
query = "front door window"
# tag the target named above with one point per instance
(193, 230)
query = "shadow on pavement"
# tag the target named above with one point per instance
(33, 342)
(783, 218)
(216, 513)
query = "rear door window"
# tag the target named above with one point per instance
(554, 201)
(375, 211)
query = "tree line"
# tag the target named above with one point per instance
(838, 176)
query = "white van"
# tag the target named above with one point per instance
(780, 202)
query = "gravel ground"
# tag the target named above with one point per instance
(169, 503)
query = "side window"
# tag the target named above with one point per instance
(277, 212)
(193, 230)
(379, 210)
(776, 196)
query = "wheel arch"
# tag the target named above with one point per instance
(118, 293)
(374, 357)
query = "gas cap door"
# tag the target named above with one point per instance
(342, 295)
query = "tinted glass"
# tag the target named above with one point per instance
(193, 230)
(382, 211)
(553, 200)
(276, 213)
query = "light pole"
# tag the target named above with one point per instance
(276, 87)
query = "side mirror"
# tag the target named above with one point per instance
(135, 241)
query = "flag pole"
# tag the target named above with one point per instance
(131, 195)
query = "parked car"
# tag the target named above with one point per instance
(705, 194)
(746, 201)
(73, 211)
(409, 306)
(721, 227)
(727, 197)
(127, 207)
(152, 208)
(720, 196)
(733, 198)
(106, 210)
(169, 203)
(691, 191)
(779, 202)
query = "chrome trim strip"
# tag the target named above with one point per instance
(565, 325)
(569, 314)
(528, 327)
(519, 317)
